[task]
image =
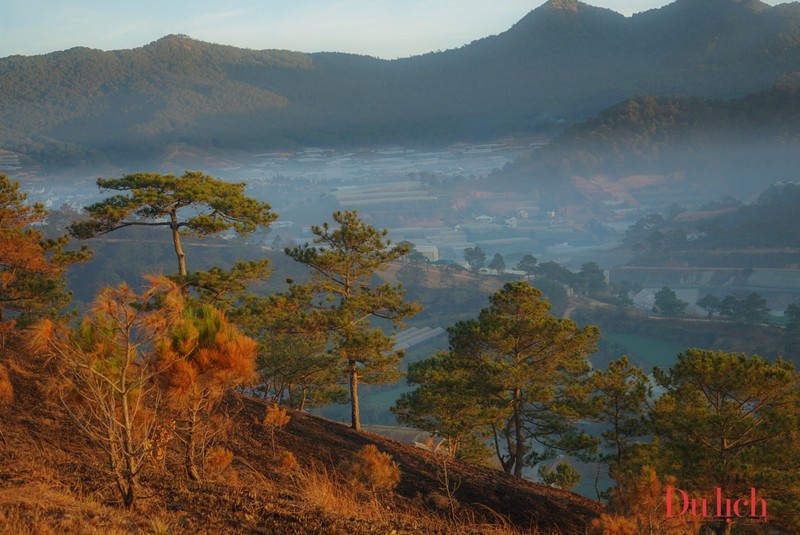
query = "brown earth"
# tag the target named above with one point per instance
(53, 481)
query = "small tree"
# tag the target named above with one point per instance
(556, 272)
(274, 420)
(619, 402)
(563, 475)
(755, 309)
(619, 398)
(343, 267)
(667, 302)
(208, 357)
(293, 365)
(638, 507)
(110, 367)
(194, 203)
(475, 258)
(528, 265)
(444, 402)
(591, 279)
(709, 303)
(497, 263)
(731, 308)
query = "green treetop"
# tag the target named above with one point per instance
(194, 204)
(528, 363)
(731, 421)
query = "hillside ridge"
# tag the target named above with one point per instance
(40, 446)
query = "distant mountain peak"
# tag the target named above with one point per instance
(576, 7)
(564, 5)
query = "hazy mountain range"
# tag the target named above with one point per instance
(562, 62)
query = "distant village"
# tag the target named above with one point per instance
(428, 198)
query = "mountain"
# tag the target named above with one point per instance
(563, 61)
(744, 143)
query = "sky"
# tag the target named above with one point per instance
(386, 29)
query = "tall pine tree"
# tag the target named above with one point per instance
(344, 260)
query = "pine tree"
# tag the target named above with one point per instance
(619, 401)
(527, 364)
(344, 260)
(475, 257)
(731, 421)
(204, 356)
(293, 365)
(497, 263)
(667, 302)
(528, 265)
(193, 204)
(110, 370)
(31, 268)
(445, 403)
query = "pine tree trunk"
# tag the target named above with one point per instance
(355, 416)
(518, 438)
(176, 240)
(128, 495)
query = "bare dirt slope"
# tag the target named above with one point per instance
(53, 481)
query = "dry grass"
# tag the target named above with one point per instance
(6, 390)
(52, 480)
(40, 508)
(323, 488)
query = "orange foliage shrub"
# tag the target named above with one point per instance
(639, 508)
(373, 470)
(288, 461)
(218, 459)
(204, 357)
(275, 419)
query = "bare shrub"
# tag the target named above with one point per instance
(447, 484)
(288, 461)
(108, 369)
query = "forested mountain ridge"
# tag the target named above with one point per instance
(562, 61)
(750, 141)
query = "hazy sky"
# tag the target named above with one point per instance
(382, 28)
